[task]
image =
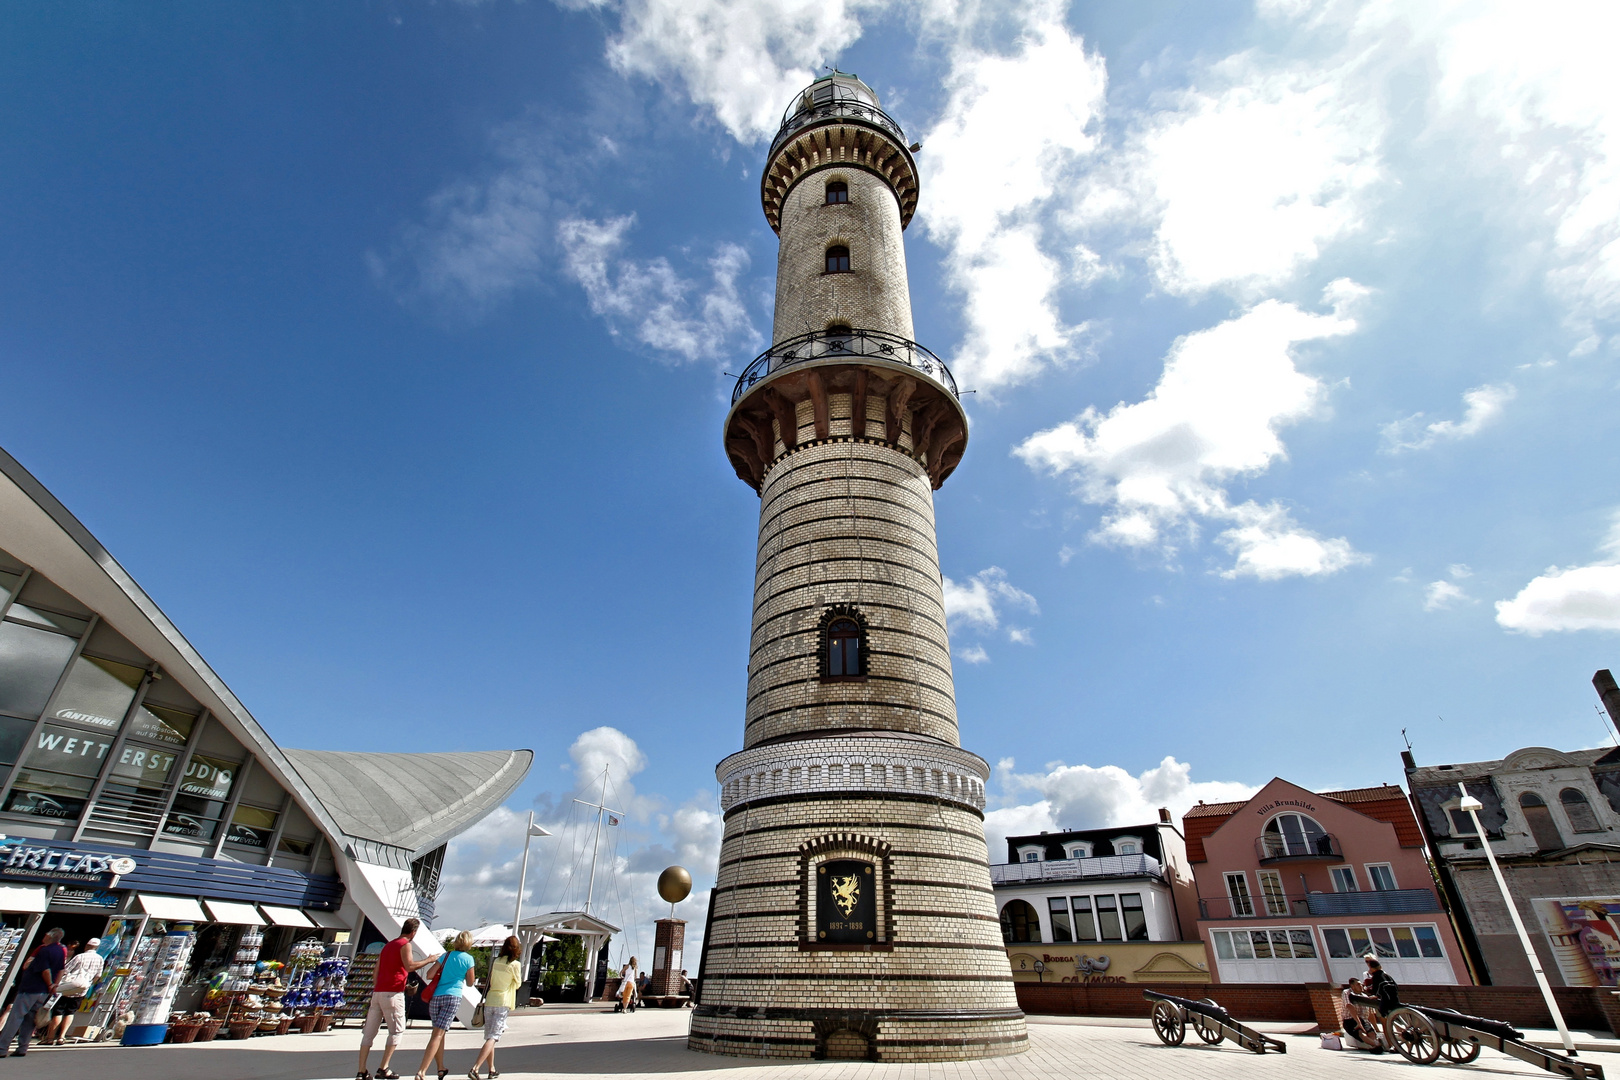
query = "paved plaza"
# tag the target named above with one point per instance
(581, 1042)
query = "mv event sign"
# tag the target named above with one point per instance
(43, 862)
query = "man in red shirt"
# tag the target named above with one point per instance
(394, 964)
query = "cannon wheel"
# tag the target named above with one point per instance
(1168, 1023)
(1413, 1035)
(1207, 1029)
(1459, 1051)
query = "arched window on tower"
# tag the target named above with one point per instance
(1538, 815)
(837, 192)
(1579, 811)
(838, 260)
(843, 645)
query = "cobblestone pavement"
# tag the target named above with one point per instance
(581, 1043)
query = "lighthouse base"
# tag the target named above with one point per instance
(857, 1034)
(853, 915)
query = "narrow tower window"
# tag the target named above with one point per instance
(843, 649)
(843, 644)
(837, 192)
(838, 260)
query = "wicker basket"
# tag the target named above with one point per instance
(284, 1025)
(243, 1029)
(183, 1033)
(304, 1024)
(323, 1021)
(208, 1030)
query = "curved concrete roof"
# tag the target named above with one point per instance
(410, 801)
(421, 800)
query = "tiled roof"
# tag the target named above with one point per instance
(1365, 794)
(1214, 809)
(1386, 803)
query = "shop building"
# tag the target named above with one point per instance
(1297, 886)
(1099, 905)
(137, 794)
(1552, 817)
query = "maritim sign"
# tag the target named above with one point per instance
(41, 862)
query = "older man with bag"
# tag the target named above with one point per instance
(35, 988)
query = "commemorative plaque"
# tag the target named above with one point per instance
(846, 903)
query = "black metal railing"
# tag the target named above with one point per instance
(848, 109)
(1272, 846)
(854, 345)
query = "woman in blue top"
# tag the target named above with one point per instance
(455, 971)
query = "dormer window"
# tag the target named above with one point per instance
(1127, 845)
(1080, 851)
(838, 260)
(1032, 856)
(1128, 849)
(837, 192)
(1032, 853)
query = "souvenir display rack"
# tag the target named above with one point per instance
(11, 939)
(161, 981)
(357, 990)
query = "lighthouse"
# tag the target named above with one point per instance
(852, 915)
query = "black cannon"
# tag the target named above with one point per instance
(1172, 1015)
(1423, 1035)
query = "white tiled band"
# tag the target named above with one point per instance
(876, 765)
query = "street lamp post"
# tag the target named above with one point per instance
(1473, 806)
(523, 880)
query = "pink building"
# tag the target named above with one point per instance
(1296, 886)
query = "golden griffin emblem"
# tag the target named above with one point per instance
(846, 892)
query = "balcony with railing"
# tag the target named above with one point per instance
(1102, 866)
(1277, 847)
(1318, 904)
(821, 112)
(853, 345)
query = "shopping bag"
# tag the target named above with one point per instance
(470, 1000)
(1331, 1041)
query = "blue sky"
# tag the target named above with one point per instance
(384, 344)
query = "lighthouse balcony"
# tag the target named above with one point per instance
(839, 109)
(851, 345)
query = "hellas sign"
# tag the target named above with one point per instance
(20, 859)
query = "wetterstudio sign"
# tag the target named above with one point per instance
(44, 862)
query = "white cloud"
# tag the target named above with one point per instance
(1482, 405)
(1020, 636)
(1548, 90)
(651, 299)
(1460, 570)
(1243, 179)
(1268, 544)
(1087, 797)
(1038, 107)
(480, 240)
(1574, 598)
(976, 601)
(1440, 595)
(479, 881)
(971, 654)
(1159, 465)
(742, 59)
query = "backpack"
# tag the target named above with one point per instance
(1389, 996)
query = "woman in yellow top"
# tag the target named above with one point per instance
(505, 973)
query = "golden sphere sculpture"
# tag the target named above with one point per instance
(675, 884)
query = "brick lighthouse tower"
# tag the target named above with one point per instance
(852, 916)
